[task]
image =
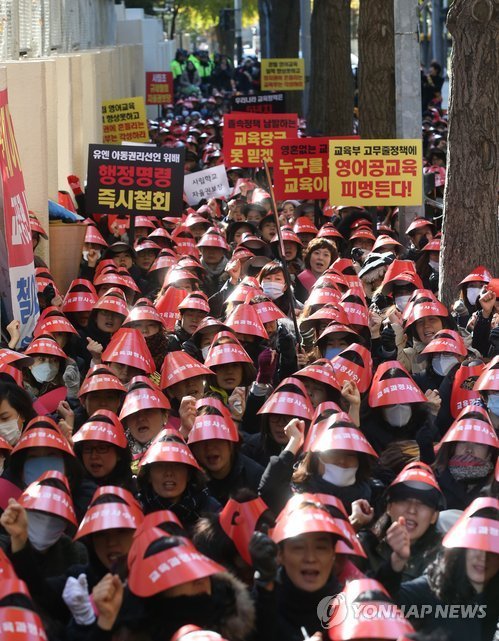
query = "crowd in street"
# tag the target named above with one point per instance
(235, 414)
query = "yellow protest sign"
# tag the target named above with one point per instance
(376, 172)
(124, 119)
(282, 74)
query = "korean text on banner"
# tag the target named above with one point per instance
(249, 138)
(14, 221)
(124, 120)
(301, 168)
(159, 87)
(376, 172)
(205, 184)
(282, 74)
(135, 180)
(260, 103)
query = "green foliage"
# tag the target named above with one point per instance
(199, 15)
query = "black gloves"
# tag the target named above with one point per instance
(388, 339)
(263, 552)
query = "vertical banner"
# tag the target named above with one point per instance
(14, 221)
(376, 172)
(282, 74)
(159, 87)
(124, 120)
(249, 138)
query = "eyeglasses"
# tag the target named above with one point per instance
(102, 448)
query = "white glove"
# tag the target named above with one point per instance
(76, 597)
(71, 378)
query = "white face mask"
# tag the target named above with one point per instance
(435, 265)
(44, 529)
(204, 351)
(44, 372)
(397, 415)
(472, 294)
(10, 431)
(442, 364)
(340, 476)
(84, 253)
(401, 302)
(273, 290)
(493, 404)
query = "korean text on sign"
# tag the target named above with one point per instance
(301, 168)
(260, 103)
(159, 87)
(249, 138)
(135, 180)
(205, 184)
(282, 74)
(376, 172)
(124, 120)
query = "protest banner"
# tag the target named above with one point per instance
(124, 119)
(282, 74)
(208, 183)
(376, 172)
(249, 138)
(135, 180)
(18, 287)
(159, 87)
(263, 103)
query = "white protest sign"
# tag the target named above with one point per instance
(206, 184)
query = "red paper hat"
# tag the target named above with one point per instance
(179, 366)
(15, 359)
(471, 431)
(145, 244)
(245, 320)
(48, 324)
(45, 345)
(113, 301)
(35, 225)
(417, 223)
(194, 633)
(159, 232)
(115, 494)
(304, 225)
(363, 232)
(383, 241)
(4, 446)
(324, 296)
(328, 230)
(193, 219)
(243, 291)
(191, 264)
(433, 246)
(322, 412)
(42, 431)
(394, 391)
(307, 520)
(342, 438)
(287, 236)
(129, 347)
(321, 371)
(216, 403)
(100, 378)
(196, 301)
(209, 322)
(209, 426)
(156, 519)
(107, 264)
(415, 475)
(354, 364)
(213, 238)
(289, 404)
(344, 266)
(174, 275)
(353, 545)
(19, 624)
(338, 328)
(238, 521)
(479, 275)
(448, 341)
(127, 279)
(43, 496)
(268, 311)
(150, 573)
(143, 310)
(374, 625)
(161, 451)
(328, 313)
(230, 351)
(422, 310)
(463, 395)
(489, 378)
(109, 516)
(330, 278)
(143, 398)
(355, 307)
(82, 299)
(93, 235)
(167, 305)
(103, 426)
(475, 532)
(164, 260)
(144, 221)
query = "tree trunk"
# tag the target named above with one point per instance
(470, 223)
(284, 40)
(331, 82)
(263, 11)
(376, 69)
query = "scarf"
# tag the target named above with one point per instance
(469, 468)
(216, 270)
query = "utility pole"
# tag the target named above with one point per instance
(305, 17)
(437, 32)
(407, 87)
(238, 18)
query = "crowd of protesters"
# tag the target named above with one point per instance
(215, 436)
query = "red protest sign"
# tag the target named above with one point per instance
(159, 87)
(301, 167)
(249, 138)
